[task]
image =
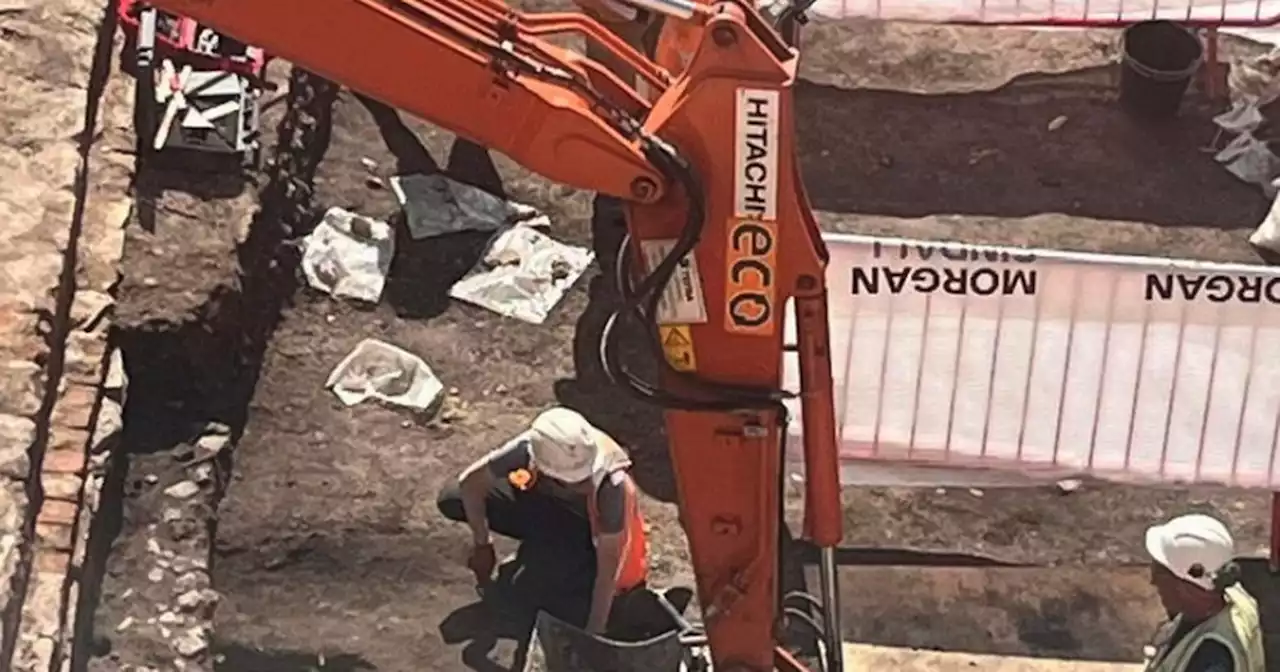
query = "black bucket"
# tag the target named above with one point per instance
(1157, 62)
(557, 646)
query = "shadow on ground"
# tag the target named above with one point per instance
(478, 627)
(1001, 153)
(422, 271)
(166, 174)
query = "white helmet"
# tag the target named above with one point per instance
(1193, 547)
(563, 445)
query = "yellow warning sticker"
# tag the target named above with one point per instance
(677, 342)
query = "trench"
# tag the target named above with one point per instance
(184, 378)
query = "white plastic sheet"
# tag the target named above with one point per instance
(377, 370)
(349, 255)
(1253, 83)
(523, 274)
(1250, 161)
(1267, 235)
(1001, 366)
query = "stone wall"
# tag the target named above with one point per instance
(65, 166)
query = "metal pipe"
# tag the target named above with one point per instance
(146, 44)
(1275, 532)
(830, 590)
(693, 639)
(681, 622)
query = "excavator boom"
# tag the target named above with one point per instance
(442, 62)
(721, 237)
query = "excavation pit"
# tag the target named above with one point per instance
(317, 521)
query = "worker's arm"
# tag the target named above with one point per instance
(478, 479)
(611, 541)
(609, 549)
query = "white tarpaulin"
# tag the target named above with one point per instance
(1039, 364)
(377, 370)
(523, 274)
(349, 255)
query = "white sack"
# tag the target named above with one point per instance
(348, 255)
(377, 370)
(524, 274)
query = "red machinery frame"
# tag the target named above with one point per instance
(183, 42)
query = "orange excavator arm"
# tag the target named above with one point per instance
(721, 237)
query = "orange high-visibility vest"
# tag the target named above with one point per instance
(633, 569)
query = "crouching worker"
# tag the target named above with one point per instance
(563, 485)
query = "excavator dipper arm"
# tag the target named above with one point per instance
(456, 65)
(721, 237)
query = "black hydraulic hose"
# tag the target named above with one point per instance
(640, 304)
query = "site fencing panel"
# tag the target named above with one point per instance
(1079, 13)
(1044, 363)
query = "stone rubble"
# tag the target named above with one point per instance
(192, 642)
(179, 604)
(182, 490)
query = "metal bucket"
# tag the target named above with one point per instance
(557, 646)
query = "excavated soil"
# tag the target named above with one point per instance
(329, 552)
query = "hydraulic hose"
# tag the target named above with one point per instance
(640, 304)
(640, 301)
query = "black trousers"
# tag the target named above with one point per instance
(555, 567)
(556, 564)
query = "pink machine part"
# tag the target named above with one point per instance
(201, 47)
(196, 88)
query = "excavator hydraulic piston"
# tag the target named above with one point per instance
(680, 9)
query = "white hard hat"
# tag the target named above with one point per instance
(563, 445)
(1186, 542)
